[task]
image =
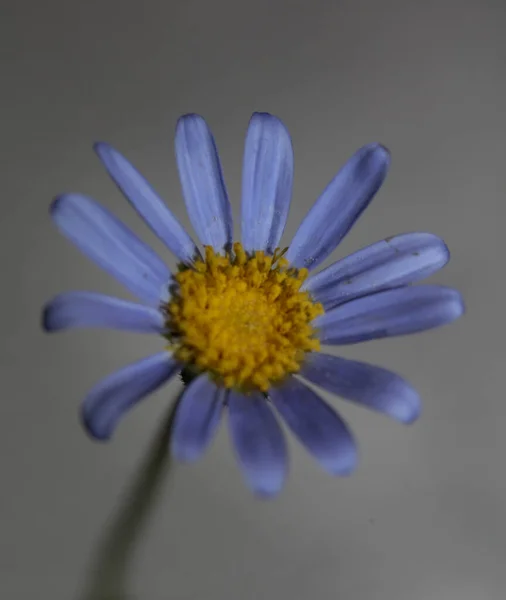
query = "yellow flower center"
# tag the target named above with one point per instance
(242, 318)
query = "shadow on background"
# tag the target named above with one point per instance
(108, 573)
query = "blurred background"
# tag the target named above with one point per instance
(423, 517)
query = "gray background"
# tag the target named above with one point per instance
(423, 517)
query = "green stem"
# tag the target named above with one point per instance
(108, 575)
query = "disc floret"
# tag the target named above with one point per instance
(242, 318)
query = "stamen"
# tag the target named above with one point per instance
(242, 318)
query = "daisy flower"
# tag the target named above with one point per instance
(244, 322)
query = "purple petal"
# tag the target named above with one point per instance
(339, 206)
(259, 443)
(391, 263)
(87, 309)
(317, 426)
(364, 384)
(202, 182)
(196, 420)
(147, 203)
(266, 183)
(99, 235)
(394, 312)
(108, 401)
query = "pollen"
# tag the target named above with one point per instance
(242, 318)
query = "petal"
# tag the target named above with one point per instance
(108, 401)
(266, 183)
(196, 420)
(147, 203)
(259, 443)
(317, 426)
(87, 309)
(202, 182)
(364, 384)
(99, 235)
(393, 262)
(394, 312)
(340, 205)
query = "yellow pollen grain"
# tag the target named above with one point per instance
(242, 318)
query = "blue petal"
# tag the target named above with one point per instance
(196, 420)
(147, 203)
(393, 262)
(317, 426)
(87, 309)
(365, 384)
(108, 401)
(266, 183)
(202, 182)
(340, 205)
(259, 443)
(394, 312)
(99, 235)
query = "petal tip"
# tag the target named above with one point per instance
(410, 412)
(461, 304)
(102, 149)
(46, 319)
(346, 465)
(266, 494)
(62, 201)
(264, 116)
(411, 419)
(184, 455)
(268, 487)
(437, 243)
(95, 432)
(272, 125)
(189, 118)
(380, 152)
(445, 253)
(402, 402)
(458, 306)
(56, 204)
(96, 428)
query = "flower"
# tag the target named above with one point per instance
(244, 321)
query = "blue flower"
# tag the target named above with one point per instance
(243, 322)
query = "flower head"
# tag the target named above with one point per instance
(241, 318)
(244, 321)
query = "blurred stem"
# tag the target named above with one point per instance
(107, 580)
